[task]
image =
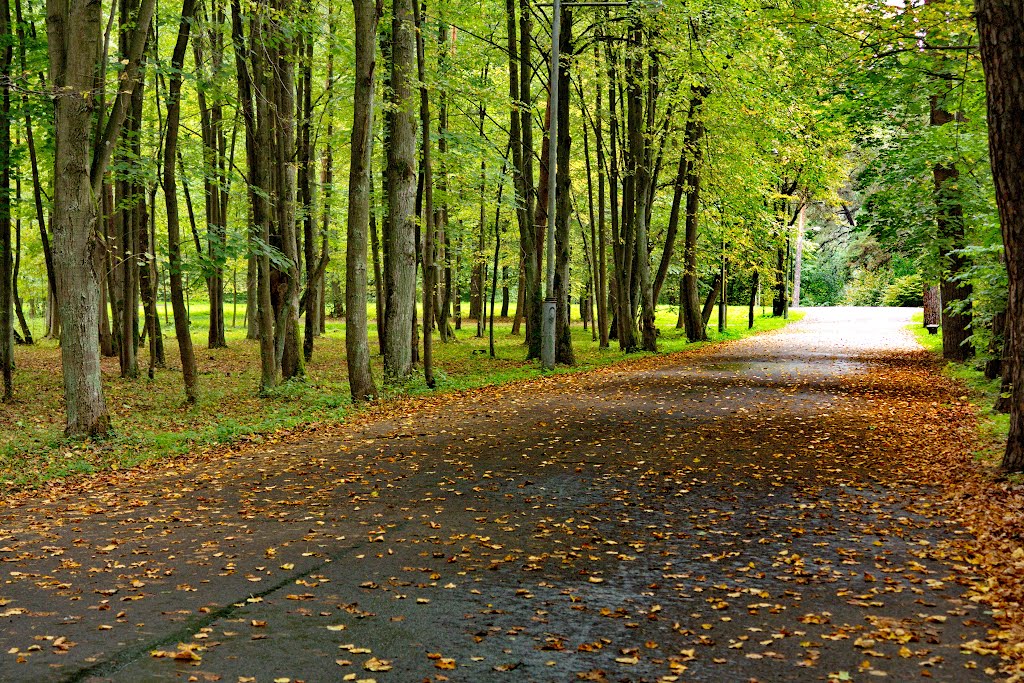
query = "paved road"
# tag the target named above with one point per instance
(743, 513)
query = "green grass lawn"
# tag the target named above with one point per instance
(152, 421)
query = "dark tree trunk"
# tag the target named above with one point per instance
(781, 280)
(681, 317)
(429, 271)
(400, 229)
(476, 279)
(357, 345)
(26, 331)
(521, 137)
(644, 188)
(181, 321)
(504, 292)
(130, 192)
(304, 156)
(378, 280)
(517, 318)
(109, 335)
(494, 266)
(147, 288)
(755, 284)
(252, 314)
(37, 188)
(695, 321)
(956, 293)
(214, 175)
(932, 313)
(442, 260)
(723, 296)
(6, 246)
(112, 284)
(1001, 38)
(259, 309)
(709, 301)
(563, 330)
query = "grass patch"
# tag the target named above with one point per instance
(152, 422)
(993, 426)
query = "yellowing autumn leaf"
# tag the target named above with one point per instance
(376, 665)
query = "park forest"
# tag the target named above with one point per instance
(249, 173)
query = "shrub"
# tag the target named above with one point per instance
(904, 291)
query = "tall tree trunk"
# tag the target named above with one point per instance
(111, 287)
(696, 329)
(563, 330)
(709, 300)
(723, 295)
(378, 278)
(148, 285)
(623, 208)
(258, 311)
(520, 314)
(443, 262)
(602, 228)
(37, 187)
(497, 251)
(1001, 38)
(311, 307)
(26, 331)
(504, 292)
(781, 279)
(427, 220)
(640, 144)
(214, 171)
(252, 300)
(799, 260)
(534, 274)
(400, 228)
(950, 224)
(476, 281)
(521, 140)
(681, 317)
(357, 345)
(181, 321)
(73, 38)
(755, 284)
(130, 193)
(6, 247)
(282, 87)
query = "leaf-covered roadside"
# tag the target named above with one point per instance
(964, 459)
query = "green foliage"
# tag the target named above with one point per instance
(866, 287)
(904, 291)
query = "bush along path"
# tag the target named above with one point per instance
(782, 508)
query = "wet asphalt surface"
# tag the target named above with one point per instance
(727, 515)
